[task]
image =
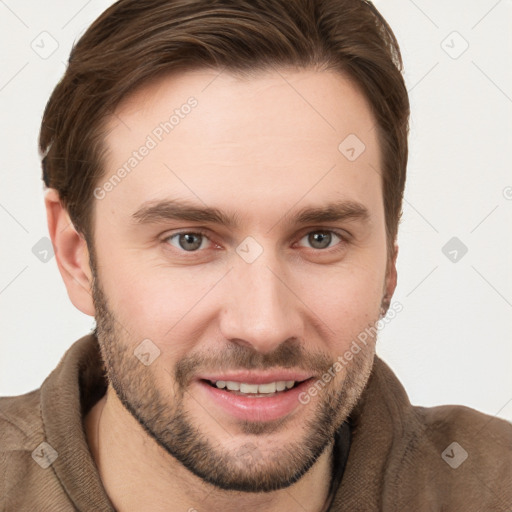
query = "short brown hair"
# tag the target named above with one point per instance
(135, 41)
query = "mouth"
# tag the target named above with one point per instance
(247, 400)
(254, 390)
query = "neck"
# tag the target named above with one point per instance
(138, 474)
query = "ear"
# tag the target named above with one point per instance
(71, 253)
(391, 277)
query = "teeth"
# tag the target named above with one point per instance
(266, 388)
(248, 388)
(281, 385)
(244, 387)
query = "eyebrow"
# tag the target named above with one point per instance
(183, 210)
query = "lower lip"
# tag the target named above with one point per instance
(255, 408)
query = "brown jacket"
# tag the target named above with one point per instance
(402, 458)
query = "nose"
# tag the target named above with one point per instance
(260, 309)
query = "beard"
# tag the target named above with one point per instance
(242, 465)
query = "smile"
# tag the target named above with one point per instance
(251, 401)
(255, 390)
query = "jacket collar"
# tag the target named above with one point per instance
(67, 394)
(384, 424)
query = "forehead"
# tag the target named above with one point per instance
(278, 137)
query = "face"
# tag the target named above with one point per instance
(244, 248)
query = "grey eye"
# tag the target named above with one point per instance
(187, 241)
(320, 239)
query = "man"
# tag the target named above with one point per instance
(224, 185)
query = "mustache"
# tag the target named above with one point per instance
(241, 357)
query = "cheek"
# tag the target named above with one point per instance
(346, 296)
(156, 302)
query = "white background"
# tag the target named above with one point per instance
(451, 344)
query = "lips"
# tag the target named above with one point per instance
(251, 397)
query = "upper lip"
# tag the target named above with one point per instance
(257, 377)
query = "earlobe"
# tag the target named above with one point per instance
(71, 253)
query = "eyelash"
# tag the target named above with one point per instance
(338, 247)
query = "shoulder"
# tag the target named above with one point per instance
(460, 456)
(24, 458)
(20, 419)
(479, 429)
(448, 457)
(20, 430)
(484, 441)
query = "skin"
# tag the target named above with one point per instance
(261, 148)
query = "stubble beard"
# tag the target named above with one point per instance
(254, 465)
